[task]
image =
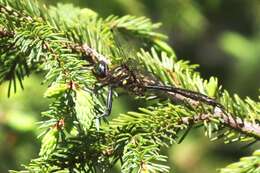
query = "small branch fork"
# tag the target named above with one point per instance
(236, 123)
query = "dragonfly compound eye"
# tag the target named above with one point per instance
(101, 69)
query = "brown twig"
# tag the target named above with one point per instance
(5, 33)
(236, 123)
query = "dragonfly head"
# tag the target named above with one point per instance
(101, 69)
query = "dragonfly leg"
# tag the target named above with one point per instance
(109, 102)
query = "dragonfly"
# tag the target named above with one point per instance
(137, 83)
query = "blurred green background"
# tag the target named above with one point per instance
(222, 36)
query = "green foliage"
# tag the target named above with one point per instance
(245, 165)
(245, 51)
(84, 107)
(38, 38)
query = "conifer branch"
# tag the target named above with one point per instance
(69, 51)
(236, 123)
(91, 55)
